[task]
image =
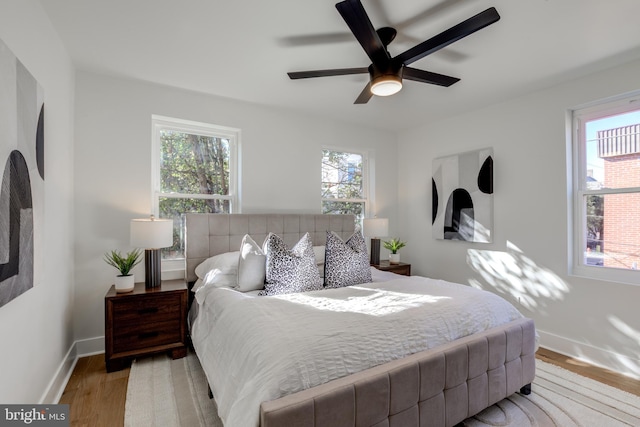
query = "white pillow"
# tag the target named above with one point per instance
(221, 278)
(252, 266)
(318, 252)
(223, 269)
(227, 259)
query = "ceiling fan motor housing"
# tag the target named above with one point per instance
(386, 81)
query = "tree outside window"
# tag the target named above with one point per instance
(196, 173)
(343, 183)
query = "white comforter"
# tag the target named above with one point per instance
(256, 349)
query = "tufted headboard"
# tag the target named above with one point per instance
(212, 234)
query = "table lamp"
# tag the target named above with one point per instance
(375, 228)
(152, 234)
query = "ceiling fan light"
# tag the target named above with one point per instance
(386, 85)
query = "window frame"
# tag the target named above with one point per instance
(578, 117)
(159, 123)
(366, 180)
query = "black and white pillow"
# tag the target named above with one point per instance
(346, 263)
(290, 270)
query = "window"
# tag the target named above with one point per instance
(607, 190)
(195, 170)
(343, 183)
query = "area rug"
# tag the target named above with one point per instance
(173, 393)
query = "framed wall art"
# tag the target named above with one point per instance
(22, 177)
(462, 196)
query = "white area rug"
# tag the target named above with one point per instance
(173, 393)
(169, 393)
(563, 399)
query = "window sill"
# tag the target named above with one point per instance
(627, 277)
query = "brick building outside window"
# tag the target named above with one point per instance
(620, 150)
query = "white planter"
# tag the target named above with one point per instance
(394, 258)
(124, 283)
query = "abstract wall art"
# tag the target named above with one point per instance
(462, 197)
(22, 174)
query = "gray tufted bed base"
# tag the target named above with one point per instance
(438, 387)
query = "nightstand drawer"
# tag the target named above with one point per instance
(138, 336)
(154, 308)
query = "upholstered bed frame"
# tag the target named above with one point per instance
(214, 234)
(438, 387)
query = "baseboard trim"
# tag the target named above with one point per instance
(90, 346)
(607, 359)
(59, 381)
(78, 349)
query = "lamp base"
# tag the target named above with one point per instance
(152, 271)
(375, 251)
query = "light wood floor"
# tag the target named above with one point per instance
(96, 398)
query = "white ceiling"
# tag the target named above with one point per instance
(243, 49)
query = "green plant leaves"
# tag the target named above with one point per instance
(394, 245)
(123, 264)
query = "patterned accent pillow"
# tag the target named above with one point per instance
(290, 270)
(346, 263)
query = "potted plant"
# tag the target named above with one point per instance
(394, 246)
(125, 280)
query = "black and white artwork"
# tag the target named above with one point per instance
(22, 174)
(462, 196)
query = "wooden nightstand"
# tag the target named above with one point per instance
(144, 322)
(402, 268)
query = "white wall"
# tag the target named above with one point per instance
(36, 327)
(592, 319)
(281, 152)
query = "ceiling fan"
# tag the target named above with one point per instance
(386, 73)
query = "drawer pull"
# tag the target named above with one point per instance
(148, 310)
(147, 335)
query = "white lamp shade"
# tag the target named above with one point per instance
(151, 233)
(376, 227)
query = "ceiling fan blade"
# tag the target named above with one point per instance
(358, 21)
(365, 95)
(327, 73)
(428, 77)
(453, 34)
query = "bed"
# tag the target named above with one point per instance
(380, 364)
